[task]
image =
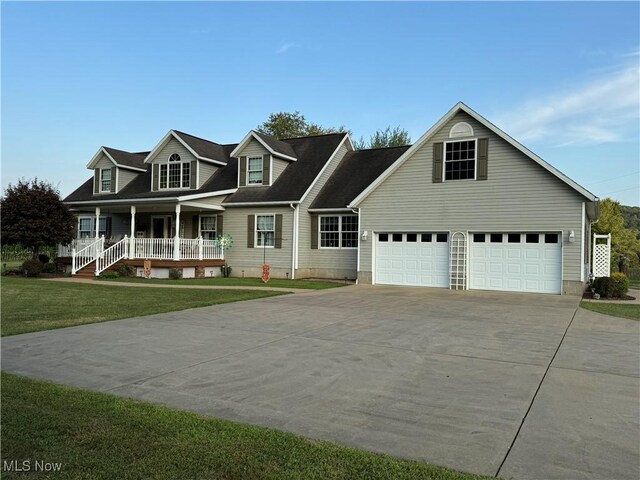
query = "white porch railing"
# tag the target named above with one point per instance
(86, 255)
(189, 248)
(154, 248)
(78, 244)
(210, 249)
(111, 255)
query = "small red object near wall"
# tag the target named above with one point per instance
(265, 273)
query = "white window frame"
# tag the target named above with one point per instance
(475, 160)
(340, 232)
(255, 230)
(215, 225)
(255, 157)
(92, 232)
(166, 169)
(108, 190)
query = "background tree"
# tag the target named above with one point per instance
(396, 137)
(624, 243)
(293, 124)
(33, 215)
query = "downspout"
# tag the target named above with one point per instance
(357, 212)
(294, 240)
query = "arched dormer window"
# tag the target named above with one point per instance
(461, 130)
(175, 173)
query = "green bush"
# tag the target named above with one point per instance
(49, 268)
(126, 270)
(620, 284)
(175, 273)
(31, 268)
(16, 252)
(109, 274)
(615, 286)
(225, 270)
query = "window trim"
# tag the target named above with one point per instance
(255, 230)
(340, 232)
(475, 160)
(255, 157)
(102, 190)
(215, 225)
(166, 167)
(91, 218)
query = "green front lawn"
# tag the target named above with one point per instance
(614, 309)
(99, 436)
(635, 284)
(234, 282)
(31, 305)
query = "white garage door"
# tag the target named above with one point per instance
(420, 259)
(517, 262)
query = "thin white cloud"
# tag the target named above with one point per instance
(601, 111)
(284, 48)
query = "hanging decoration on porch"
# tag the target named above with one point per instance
(266, 275)
(225, 241)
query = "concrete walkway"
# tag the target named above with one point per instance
(517, 385)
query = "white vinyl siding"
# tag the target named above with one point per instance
(519, 195)
(277, 167)
(207, 170)
(125, 177)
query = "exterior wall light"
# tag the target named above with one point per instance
(572, 236)
(365, 234)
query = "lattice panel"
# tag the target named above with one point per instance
(458, 262)
(601, 260)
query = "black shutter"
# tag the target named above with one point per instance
(314, 232)
(107, 228)
(193, 181)
(96, 180)
(251, 225)
(483, 159)
(195, 226)
(437, 162)
(278, 232)
(156, 175)
(219, 225)
(113, 178)
(243, 171)
(266, 169)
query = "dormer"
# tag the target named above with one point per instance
(261, 159)
(184, 162)
(114, 169)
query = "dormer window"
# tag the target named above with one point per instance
(254, 170)
(105, 179)
(175, 173)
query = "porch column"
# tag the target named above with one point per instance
(176, 239)
(132, 238)
(97, 222)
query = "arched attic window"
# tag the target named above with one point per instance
(461, 130)
(175, 173)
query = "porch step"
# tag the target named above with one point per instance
(88, 271)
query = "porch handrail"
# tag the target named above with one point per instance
(111, 255)
(154, 248)
(77, 243)
(211, 250)
(86, 255)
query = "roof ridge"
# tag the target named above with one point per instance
(383, 148)
(194, 136)
(311, 136)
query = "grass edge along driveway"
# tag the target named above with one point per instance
(32, 305)
(95, 435)
(234, 282)
(630, 311)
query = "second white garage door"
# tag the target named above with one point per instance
(419, 259)
(517, 262)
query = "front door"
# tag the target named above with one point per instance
(158, 227)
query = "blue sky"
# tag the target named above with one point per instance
(563, 78)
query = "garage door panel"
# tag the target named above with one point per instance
(520, 267)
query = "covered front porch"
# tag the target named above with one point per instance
(159, 232)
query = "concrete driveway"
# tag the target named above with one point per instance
(519, 385)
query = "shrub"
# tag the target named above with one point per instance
(109, 274)
(175, 273)
(12, 271)
(126, 270)
(43, 258)
(225, 270)
(620, 285)
(31, 268)
(49, 268)
(615, 286)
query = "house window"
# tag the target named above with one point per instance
(254, 170)
(105, 179)
(86, 227)
(265, 230)
(175, 173)
(460, 160)
(208, 227)
(339, 231)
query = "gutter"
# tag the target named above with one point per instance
(294, 240)
(357, 212)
